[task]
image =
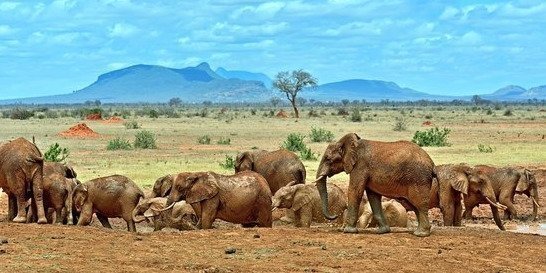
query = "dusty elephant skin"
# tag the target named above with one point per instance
(506, 182)
(400, 170)
(395, 215)
(454, 180)
(109, 197)
(181, 216)
(243, 198)
(21, 171)
(277, 167)
(305, 201)
(162, 186)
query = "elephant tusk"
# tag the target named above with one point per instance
(535, 202)
(497, 204)
(274, 209)
(319, 179)
(167, 208)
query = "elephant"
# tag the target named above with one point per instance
(181, 216)
(528, 185)
(162, 186)
(108, 197)
(454, 180)
(505, 183)
(278, 167)
(400, 170)
(242, 198)
(395, 215)
(304, 200)
(21, 178)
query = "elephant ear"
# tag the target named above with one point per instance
(154, 209)
(70, 173)
(302, 196)
(460, 184)
(348, 151)
(242, 158)
(204, 187)
(166, 185)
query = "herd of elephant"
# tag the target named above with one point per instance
(401, 171)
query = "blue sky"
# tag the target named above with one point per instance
(439, 47)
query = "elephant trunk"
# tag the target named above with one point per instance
(321, 186)
(136, 217)
(534, 197)
(496, 204)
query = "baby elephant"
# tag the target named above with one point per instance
(304, 200)
(181, 216)
(109, 197)
(243, 198)
(395, 215)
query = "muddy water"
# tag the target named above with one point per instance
(539, 229)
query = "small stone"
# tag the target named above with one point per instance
(230, 250)
(439, 251)
(138, 238)
(2, 251)
(3, 240)
(257, 236)
(323, 247)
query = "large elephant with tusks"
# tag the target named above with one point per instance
(400, 170)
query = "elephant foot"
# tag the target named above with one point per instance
(421, 233)
(20, 219)
(383, 230)
(286, 219)
(42, 221)
(350, 230)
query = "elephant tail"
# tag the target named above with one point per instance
(35, 159)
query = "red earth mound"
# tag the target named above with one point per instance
(427, 123)
(282, 114)
(79, 130)
(94, 117)
(114, 120)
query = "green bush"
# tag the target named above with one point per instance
(307, 154)
(145, 140)
(229, 163)
(224, 141)
(203, 139)
(22, 114)
(356, 116)
(485, 148)
(56, 153)
(489, 112)
(118, 144)
(508, 113)
(153, 113)
(294, 142)
(133, 124)
(400, 124)
(321, 135)
(432, 137)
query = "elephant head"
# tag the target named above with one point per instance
(79, 196)
(192, 187)
(290, 196)
(244, 162)
(339, 156)
(527, 184)
(162, 186)
(148, 208)
(475, 181)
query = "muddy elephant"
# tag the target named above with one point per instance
(505, 182)
(242, 198)
(528, 186)
(305, 201)
(400, 170)
(395, 215)
(21, 178)
(109, 197)
(162, 186)
(456, 180)
(278, 167)
(181, 216)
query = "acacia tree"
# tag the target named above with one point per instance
(292, 83)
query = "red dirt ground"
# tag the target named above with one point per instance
(282, 114)
(94, 117)
(79, 130)
(113, 120)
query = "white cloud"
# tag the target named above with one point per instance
(6, 30)
(357, 28)
(449, 13)
(117, 65)
(265, 11)
(511, 10)
(122, 30)
(260, 45)
(183, 40)
(471, 38)
(8, 6)
(68, 38)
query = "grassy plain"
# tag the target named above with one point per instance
(517, 139)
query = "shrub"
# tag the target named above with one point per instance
(294, 142)
(145, 140)
(356, 116)
(51, 114)
(485, 149)
(118, 144)
(307, 154)
(313, 113)
(253, 112)
(428, 116)
(508, 113)
(153, 113)
(432, 137)
(56, 153)
(203, 113)
(342, 112)
(133, 124)
(22, 114)
(489, 112)
(203, 139)
(224, 141)
(321, 135)
(229, 163)
(400, 124)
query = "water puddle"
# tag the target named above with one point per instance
(539, 229)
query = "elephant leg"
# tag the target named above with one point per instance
(375, 202)
(59, 215)
(497, 218)
(288, 217)
(131, 225)
(265, 219)
(419, 198)
(21, 208)
(104, 220)
(354, 197)
(510, 212)
(306, 215)
(12, 206)
(86, 215)
(458, 214)
(364, 219)
(208, 213)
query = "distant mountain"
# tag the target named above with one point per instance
(152, 83)
(370, 90)
(517, 93)
(244, 75)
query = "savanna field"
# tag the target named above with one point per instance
(511, 135)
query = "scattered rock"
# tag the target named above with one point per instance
(439, 251)
(57, 237)
(323, 247)
(3, 240)
(256, 236)
(138, 238)
(230, 250)
(2, 251)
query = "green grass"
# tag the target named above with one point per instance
(177, 148)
